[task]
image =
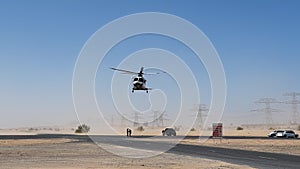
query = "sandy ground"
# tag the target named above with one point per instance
(65, 154)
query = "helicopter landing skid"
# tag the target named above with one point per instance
(147, 90)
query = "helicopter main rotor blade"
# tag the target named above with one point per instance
(151, 73)
(157, 73)
(125, 71)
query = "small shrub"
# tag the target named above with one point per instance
(33, 129)
(140, 128)
(271, 128)
(82, 129)
(239, 128)
(193, 129)
(177, 128)
(299, 127)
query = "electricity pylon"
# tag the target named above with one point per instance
(201, 110)
(159, 119)
(294, 102)
(136, 118)
(267, 110)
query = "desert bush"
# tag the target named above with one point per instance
(239, 128)
(299, 127)
(140, 128)
(33, 129)
(177, 128)
(82, 129)
(193, 129)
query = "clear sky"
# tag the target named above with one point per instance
(257, 41)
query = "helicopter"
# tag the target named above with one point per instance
(139, 82)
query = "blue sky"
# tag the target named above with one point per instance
(257, 41)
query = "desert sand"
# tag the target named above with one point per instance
(65, 154)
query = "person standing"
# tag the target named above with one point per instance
(128, 131)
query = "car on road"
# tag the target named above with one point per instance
(290, 134)
(168, 132)
(283, 134)
(275, 132)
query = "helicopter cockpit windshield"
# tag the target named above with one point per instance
(139, 79)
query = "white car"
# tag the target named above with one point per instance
(289, 134)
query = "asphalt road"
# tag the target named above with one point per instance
(250, 158)
(242, 157)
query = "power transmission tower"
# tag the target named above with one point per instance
(267, 110)
(159, 119)
(112, 120)
(162, 119)
(155, 119)
(122, 120)
(201, 109)
(294, 102)
(136, 118)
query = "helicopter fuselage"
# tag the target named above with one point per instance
(139, 83)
